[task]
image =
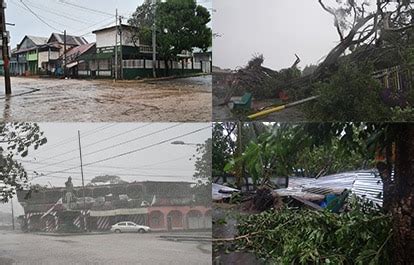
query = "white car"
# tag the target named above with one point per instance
(129, 227)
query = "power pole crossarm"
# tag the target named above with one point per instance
(5, 48)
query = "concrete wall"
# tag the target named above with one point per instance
(162, 218)
(107, 38)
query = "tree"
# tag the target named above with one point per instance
(273, 154)
(15, 141)
(395, 141)
(222, 147)
(111, 179)
(203, 162)
(202, 190)
(359, 24)
(181, 25)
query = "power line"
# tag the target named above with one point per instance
(133, 151)
(60, 14)
(39, 17)
(95, 143)
(85, 8)
(140, 167)
(71, 139)
(128, 175)
(89, 32)
(115, 145)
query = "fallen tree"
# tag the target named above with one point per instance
(294, 236)
(365, 33)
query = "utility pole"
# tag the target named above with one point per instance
(116, 44)
(83, 182)
(120, 47)
(12, 210)
(5, 48)
(64, 48)
(154, 42)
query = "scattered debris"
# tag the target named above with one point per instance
(260, 81)
(221, 192)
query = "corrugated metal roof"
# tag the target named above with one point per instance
(366, 184)
(79, 50)
(38, 41)
(70, 40)
(217, 192)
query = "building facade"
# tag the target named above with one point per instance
(39, 55)
(162, 206)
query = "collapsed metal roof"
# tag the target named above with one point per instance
(366, 184)
(220, 192)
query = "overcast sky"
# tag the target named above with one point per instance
(165, 162)
(275, 28)
(61, 16)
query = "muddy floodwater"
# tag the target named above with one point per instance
(37, 99)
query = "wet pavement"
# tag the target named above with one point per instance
(25, 248)
(48, 100)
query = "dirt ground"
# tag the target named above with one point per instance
(52, 100)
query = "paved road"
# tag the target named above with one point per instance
(41, 100)
(22, 248)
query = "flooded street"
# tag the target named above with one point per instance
(179, 100)
(127, 248)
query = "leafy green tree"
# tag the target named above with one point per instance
(316, 161)
(223, 147)
(15, 141)
(202, 190)
(181, 25)
(203, 162)
(273, 154)
(107, 178)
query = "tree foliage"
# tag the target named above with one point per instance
(351, 93)
(15, 141)
(296, 236)
(181, 25)
(223, 147)
(303, 149)
(111, 179)
(203, 162)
